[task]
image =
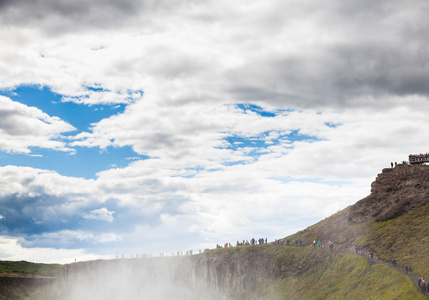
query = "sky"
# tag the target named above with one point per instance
(146, 127)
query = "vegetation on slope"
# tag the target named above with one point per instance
(26, 280)
(344, 275)
(341, 276)
(26, 269)
(406, 238)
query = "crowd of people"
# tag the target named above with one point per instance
(418, 157)
(299, 243)
(423, 285)
(244, 243)
(413, 158)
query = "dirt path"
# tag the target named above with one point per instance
(375, 260)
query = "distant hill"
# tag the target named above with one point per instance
(23, 280)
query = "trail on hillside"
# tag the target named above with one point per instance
(375, 260)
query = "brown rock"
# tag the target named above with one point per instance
(394, 192)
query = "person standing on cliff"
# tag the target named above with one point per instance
(391, 164)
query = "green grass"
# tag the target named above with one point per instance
(24, 268)
(336, 275)
(347, 276)
(406, 238)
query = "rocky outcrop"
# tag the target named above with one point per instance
(395, 192)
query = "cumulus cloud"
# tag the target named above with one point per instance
(256, 118)
(12, 250)
(102, 214)
(22, 127)
(64, 16)
(281, 53)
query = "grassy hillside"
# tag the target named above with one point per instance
(406, 238)
(28, 269)
(27, 280)
(340, 276)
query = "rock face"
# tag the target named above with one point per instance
(395, 192)
(214, 275)
(16, 287)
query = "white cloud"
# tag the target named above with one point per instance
(360, 65)
(102, 214)
(22, 127)
(12, 250)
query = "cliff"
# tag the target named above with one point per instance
(394, 193)
(216, 274)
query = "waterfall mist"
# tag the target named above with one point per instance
(180, 277)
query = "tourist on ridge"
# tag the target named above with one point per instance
(419, 281)
(300, 242)
(391, 164)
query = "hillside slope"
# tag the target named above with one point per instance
(22, 279)
(404, 237)
(391, 222)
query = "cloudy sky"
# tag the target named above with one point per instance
(132, 127)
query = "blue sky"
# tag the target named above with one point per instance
(84, 162)
(223, 122)
(80, 116)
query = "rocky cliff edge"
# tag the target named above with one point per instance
(395, 192)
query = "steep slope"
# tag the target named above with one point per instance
(402, 192)
(341, 276)
(394, 193)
